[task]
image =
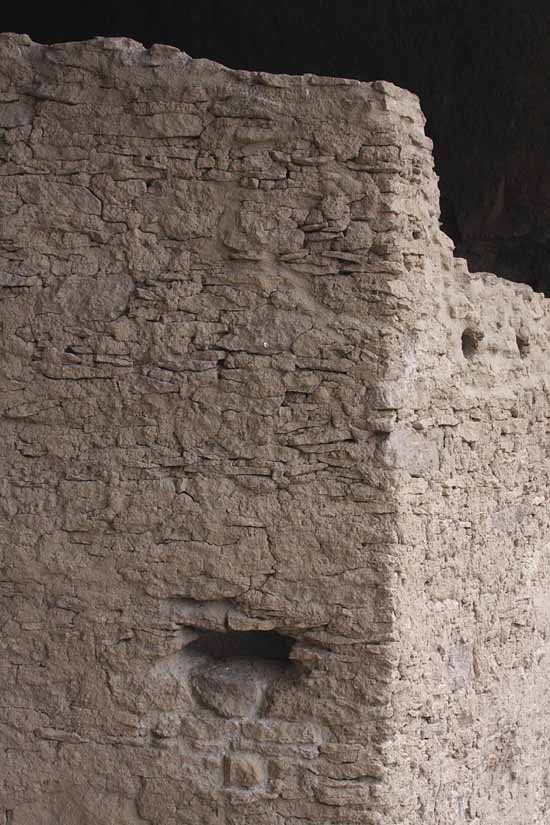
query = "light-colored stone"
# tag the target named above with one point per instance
(244, 770)
(234, 688)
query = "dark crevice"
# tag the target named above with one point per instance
(523, 345)
(471, 339)
(242, 644)
(237, 673)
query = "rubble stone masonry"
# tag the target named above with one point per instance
(274, 472)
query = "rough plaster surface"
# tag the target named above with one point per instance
(247, 391)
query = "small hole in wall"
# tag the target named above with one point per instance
(523, 345)
(471, 338)
(242, 644)
(239, 673)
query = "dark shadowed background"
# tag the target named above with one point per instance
(481, 69)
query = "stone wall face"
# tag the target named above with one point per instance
(274, 470)
(472, 460)
(474, 613)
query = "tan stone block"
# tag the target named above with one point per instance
(244, 770)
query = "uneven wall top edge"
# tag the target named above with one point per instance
(273, 512)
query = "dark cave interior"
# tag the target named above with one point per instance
(479, 68)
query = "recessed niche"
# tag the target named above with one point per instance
(471, 339)
(236, 671)
(252, 644)
(523, 345)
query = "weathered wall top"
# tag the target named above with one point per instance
(274, 542)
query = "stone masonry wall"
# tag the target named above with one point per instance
(474, 616)
(469, 445)
(272, 537)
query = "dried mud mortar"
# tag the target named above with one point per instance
(274, 536)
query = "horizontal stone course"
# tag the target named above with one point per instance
(245, 388)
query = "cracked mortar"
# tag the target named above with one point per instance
(247, 393)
